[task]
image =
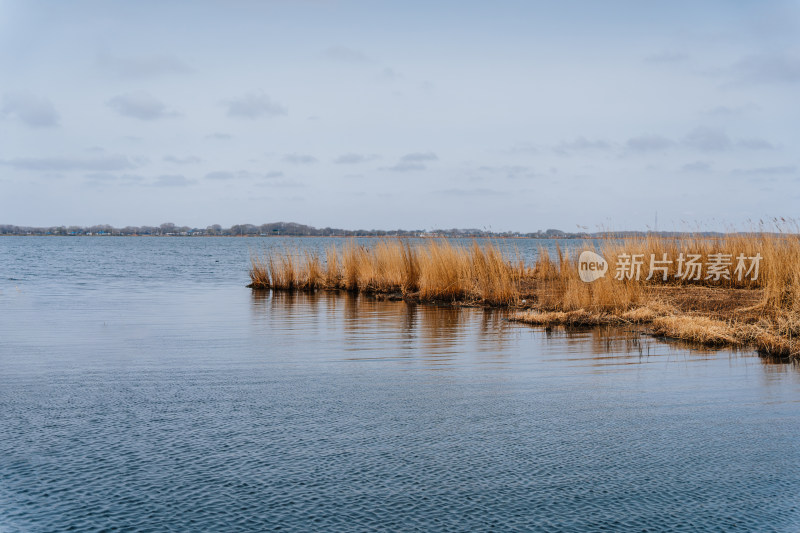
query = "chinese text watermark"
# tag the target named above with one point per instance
(687, 267)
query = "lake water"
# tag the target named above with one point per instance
(144, 388)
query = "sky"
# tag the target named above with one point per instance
(506, 116)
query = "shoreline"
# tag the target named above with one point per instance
(746, 311)
(404, 237)
(657, 319)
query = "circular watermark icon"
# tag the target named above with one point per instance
(591, 266)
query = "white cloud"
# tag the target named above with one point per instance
(773, 170)
(713, 140)
(353, 159)
(137, 68)
(300, 159)
(696, 166)
(778, 67)
(389, 74)
(188, 160)
(405, 167)
(419, 156)
(581, 144)
(222, 175)
(172, 180)
(241, 174)
(732, 111)
(254, 105)
(412, 162)
(34, 111)
(140, 105)
(471, 192)
(510, 171)
(649, 143)
(754, 143)
(708, 140)
(66, 164)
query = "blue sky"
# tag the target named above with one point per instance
(502, 115)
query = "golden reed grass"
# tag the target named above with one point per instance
(435, 271)
(764, 312)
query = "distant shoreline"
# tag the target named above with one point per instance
(441, 236)
(293, 229)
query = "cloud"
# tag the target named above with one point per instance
(419, 156)
(697, 166)
(342, 54)
(510, 171)
(412, 162)
(772, 171)
(106, 176)
(285, 184)
(708, 140)
(667, 57)
(189, 160)
(222, 175)
(66, 164)
(713, 140)
(731, 111)
(172, 180)
(353, 159)
(389, 74)
(140, 105)
(280, 184)
(300, 159)
(648, 143)
(138, 68)
(405, 167)
(581, 144)
(768, 68)
(219, 136)
(523, 148)
(254, 105)
(34, 111)
(240, 174)
(471, 192)
(755, 143)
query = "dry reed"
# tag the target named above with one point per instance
(437, 270)
(444, 271)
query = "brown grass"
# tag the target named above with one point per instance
(435, 271)
(580, 317)
(763, 313)
(699, 329)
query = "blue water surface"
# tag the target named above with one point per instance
(143, 387)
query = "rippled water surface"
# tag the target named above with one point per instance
(144, 388)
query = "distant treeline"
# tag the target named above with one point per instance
(289, 229)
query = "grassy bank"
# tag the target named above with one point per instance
(736, 307)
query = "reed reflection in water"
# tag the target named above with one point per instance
(366, 328)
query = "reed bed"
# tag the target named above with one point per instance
(737, 308)
(435, 271)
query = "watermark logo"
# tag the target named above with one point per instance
(591, 266)
(714, 267)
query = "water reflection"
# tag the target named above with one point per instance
(369, 329)
(364, 328)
